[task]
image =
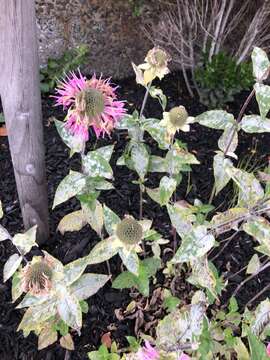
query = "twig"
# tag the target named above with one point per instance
(258, 295)
(226, 244)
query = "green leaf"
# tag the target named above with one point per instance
(25, 242)
(170, 302)
(105, 152)
(154, 194)
(221, 176)
(95, 164)
(167, 187)
(250, 190)
(157, 164)
(257, 348)
(110, 220)
(263, 98)
(75, 143)
(69, 310)
(94, 217)
(140, 159)
(87, 285)
(215, 119)
(260, 64)
(233, 306)
(130, 260)
(255, 124)
(12, 264)
(194, 245)
(70, 186)
(241, 350)
(74, 221)
(104, 250)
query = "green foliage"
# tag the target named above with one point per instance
(2, 118)
(103, 354)
(221, 79)
(57, 68)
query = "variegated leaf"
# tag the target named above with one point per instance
(69, 310)
(260, 64)
(47, 337)
(158, 133)
(105, 152)
(130, 260)
(70, 186)
(74, 221)
(255, 124)
(259, 228)
(167, 187)
(104, 250)
(263, 98)
(140, 159)
(25, 242)
(111, 219)
(194, 245)
(66, 342)
(228, 220)
(250, 190)
(12, 264)
(74, 269)
(87, 285)
(94, 217)
(229, 140)
(95, 165)
(221, 176)
(157, 164)
(181, 217)
(75, 143)
(215, 119)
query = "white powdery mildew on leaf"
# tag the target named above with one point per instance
(110, 220)
(202, 275)
(262, 318)
(221, 176)
(229, 139)
(70, 311)
(130, 260)
(70, 186)
(94, 217)
(95, 164)
(25, 242)
(158, 133)
(259, 228)
(263, 98)
(255, 124)
(157, 164)
(167, 187)
(74, 221)
(105, 152)
(73, 142)
(12, 264)
(215, 119)
(181, 218)
(140, 159)
(87, 285)
(260, 63)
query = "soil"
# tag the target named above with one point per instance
(102, 316)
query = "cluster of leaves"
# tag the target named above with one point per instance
(57, 68)
(221, 78)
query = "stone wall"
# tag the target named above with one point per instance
(109, 27)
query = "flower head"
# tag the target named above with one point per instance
(129, 231)
(37, 276)
(176, 119)
(90, 103)
(148, 352)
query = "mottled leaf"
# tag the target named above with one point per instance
(105, 152)
(130, 260)
(87, 285)
(94, 217)
(70, 186)
(229, 140)
(255, 124)
(32, 300)
(104, 250)
(94, 164)
(260, 64)
(66, 342)
(221, 176)
(16, 290)
(74, 269)
(259, 228)
(12, 264)
(154, 194)
(110, 220)
(215, 119)
(25, 242)
(181, 217)
(74, 221)
(228, 220)
(167, 187)
(47, 337)
(158, 133)
(75, 143)
(157, 164)
(177, 157)
(140, 159)
(263, 98)
(70, 311)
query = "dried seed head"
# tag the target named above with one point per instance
(90, 101)
(178, 116)
(129, 231)
(37, 277)
(157, 57)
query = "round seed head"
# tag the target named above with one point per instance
(157, 57)
(37, 277)
(178, 116)
(91, 101)
(129, 231)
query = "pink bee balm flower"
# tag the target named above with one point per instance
(90, 103)
(148, 352)
(268, 349)
(184, 357)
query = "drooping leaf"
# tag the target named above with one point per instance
(167, 187)
(12, 264)
(140, 159)
(250, 190)
(255, 124)
(215, 119)
(110, 220)
(260, 64)
(95, 164)
(70, 311)
(221, 176)
(66, 342)
(87, 285)
(46, 338)
(70, 186)
(74, 221)
(157, 93)
(75, 143)
(194, 245)
(94, 217)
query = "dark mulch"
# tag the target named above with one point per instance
(125, 199)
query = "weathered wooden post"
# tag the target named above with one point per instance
(21, 100)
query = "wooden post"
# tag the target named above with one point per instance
(21, 100)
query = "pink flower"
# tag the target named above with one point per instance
(148, 352)
(184, 357)
(90, 103)
(268, 349)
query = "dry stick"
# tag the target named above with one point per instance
(242, 269)
(267, 265)
(258, 295)
(224, 247)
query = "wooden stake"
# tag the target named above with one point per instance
(20, 94)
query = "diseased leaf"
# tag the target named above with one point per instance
(70, 186)
(94, 217)
(4, 234)
(194, 245)
(104, 250)
(70, 311)
(154, 194)
(157, 164)
(75, 143)
(250, 190)
(105, 152)
(181, 217)
(66, 342)
(215, 119)
(32, 300)
(74, 221)
(130, 260)
(110, 220)
(263, 98)
(260, 64)
(262, 318)
(229, 219)
(12, 264)
(95, 164)
(167, 187)
(16, 290)
(1, 210)
(229, 139)
(253, 265)
(259, 228)
(74, 269)
(140, 159)
(221, 176)
(177, 158)
(157, 132)
(87, 285)
(255, 124)
(47, 337)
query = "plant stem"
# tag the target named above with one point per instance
(258, 295)
(141, 203)
(145, 98)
